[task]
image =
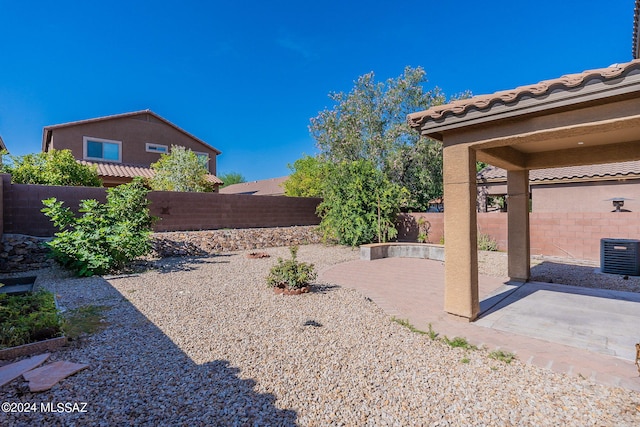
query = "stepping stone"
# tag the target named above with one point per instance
(13, 370)
(42, 379)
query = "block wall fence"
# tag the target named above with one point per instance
(22, 204)
(563, 234)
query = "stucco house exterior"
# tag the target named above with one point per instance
(589, 188)
(123, 146)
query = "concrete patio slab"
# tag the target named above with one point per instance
(598, 320)
(567, 329)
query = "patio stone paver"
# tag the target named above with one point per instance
(13, 370)
(45, 377)
(540, 326)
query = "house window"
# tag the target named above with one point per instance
(157, 148)
(102, 149)
(204, 158)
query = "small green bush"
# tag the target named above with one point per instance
(487, 243)
(459, 342)
(503, 356)
(106, 236)
(55, 167)
(423, 230)
(28, 318)
(83, 321)
(291, 273)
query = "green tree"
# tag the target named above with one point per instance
(105, 237)
(55, 167)
(307, 178)
(231, 178)
(360, 204)
(180, 170)
(370, 123)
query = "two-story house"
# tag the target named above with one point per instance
(124, 146)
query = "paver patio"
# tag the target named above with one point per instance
(567, 329)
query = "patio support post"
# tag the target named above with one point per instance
(460, 232)
(518, 225)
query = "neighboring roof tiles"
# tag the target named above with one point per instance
(48, 129)
(571, 173)
(120, 170)
(265, 187)
(123, 170)
(484, 103)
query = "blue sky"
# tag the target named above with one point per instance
(246, 76)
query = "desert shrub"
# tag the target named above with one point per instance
(106, 236)
(291, 273)
(180, 170)
(487, 243)
(28, 318)
(360, 204)
(423, 230)
(55, 167)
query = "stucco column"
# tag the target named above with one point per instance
(460, 232)
(518, 225)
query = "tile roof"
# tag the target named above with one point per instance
(537, 91)
(570, 173)
(123, 170)
(265, 187)
(48, 129)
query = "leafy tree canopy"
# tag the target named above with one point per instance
(55, 167)
(180, 170)
(370, 123)
(307, 178)
(231, 178)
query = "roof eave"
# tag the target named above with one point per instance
(527, 105)
(48, 129)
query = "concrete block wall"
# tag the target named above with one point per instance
(578, 234)
(22, 204)
(209, 211)
(563, 234)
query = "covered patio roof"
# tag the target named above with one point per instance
(592, 117)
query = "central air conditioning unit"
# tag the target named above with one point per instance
(620, 256)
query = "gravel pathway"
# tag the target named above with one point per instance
(203, 342)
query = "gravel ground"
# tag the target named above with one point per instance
(203, 342)
(562, 271)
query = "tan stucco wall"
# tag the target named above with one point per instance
(585, 197)
(134, 134)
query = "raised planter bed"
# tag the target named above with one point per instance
(375, 251)
(17, 285)
(33, 348)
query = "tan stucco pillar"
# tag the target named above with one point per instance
(518, 225)
(460, 232)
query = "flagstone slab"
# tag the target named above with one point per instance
(45, 377)
(13, 370)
